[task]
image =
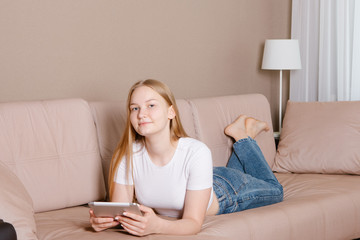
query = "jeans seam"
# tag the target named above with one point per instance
(265, 197)
(232, 187)
(231, 203)
(244, 140)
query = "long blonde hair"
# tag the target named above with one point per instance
(125, 146)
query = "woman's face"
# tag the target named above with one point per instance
(149, 112)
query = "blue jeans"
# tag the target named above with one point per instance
(247, 180)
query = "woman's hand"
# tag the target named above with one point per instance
(100, 223)
(137, 225)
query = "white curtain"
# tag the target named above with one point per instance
(329, 37)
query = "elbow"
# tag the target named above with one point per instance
(197, 226)
(197, 230)
(193, 227)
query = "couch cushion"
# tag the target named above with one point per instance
(16, 206)
(320, 206)
(110, 120)
(320, 137)
(212, 115)
(52, 147)
(316, 206)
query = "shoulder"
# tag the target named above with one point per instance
(192, 145)
(191, 142)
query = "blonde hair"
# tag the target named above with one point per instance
(130, 136)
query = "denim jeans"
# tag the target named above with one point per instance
(247, 180)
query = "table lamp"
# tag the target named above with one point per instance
(281, 54)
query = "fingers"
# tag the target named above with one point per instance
(136, 224)
(133, 216)
(91, 213)
(134, 229)
(145, 209)
(133, 223)
(100, 224)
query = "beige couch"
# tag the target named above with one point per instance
(54, 157)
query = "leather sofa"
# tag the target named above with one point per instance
(55, 154)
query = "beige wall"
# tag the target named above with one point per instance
(96, 49)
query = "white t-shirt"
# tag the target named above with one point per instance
(163, 188)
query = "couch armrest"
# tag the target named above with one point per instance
(7, 231)
(15, 205)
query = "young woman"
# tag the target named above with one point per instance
(172, 175)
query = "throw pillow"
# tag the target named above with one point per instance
(320, 137)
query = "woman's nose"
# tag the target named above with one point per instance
(142, 113)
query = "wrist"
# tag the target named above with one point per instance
(161, 225)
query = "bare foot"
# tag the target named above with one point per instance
(253, 127)
(237, 129)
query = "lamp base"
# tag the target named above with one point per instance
(276, 135)
(277, 139)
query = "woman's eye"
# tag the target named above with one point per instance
(134, 109)
(151, 105)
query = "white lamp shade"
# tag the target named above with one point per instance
(281, 54)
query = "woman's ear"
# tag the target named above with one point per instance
(171, 112)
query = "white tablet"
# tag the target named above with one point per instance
(112, 209)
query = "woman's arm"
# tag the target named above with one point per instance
(196, 202)
(122, 193)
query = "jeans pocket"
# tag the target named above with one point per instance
(227, 187)
(231, 179)
(224, 196)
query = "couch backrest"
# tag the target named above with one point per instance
(52, 147)
(212, 115)
(203, 119)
